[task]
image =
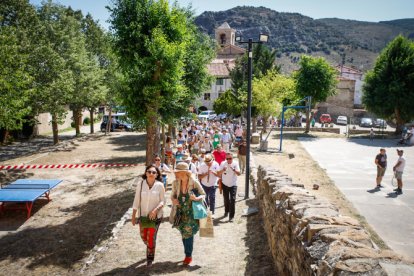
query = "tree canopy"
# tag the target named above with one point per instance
(163, 59)
(50, 57)
(315, 78)
(389, 87)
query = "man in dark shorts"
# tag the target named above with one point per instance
(381, 162)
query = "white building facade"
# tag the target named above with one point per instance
(358, 77)
(220, 67)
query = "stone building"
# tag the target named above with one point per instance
(220, 67)
(342, 103)
(358, 77)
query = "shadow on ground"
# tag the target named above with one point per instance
(130, 142)
(158, 268)
(42, 144)
(14, 215)
(294, 136)
(259, 258)
(65, 244)
(377, 143)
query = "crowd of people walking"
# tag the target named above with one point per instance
(201, 159)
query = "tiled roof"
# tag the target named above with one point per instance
(221, 67)
(347, 70)
(225, 25)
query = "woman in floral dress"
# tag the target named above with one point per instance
(186, 189)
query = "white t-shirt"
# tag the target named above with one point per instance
(225, 138)
(401, 167)
(229, 177)
(194, 167)
(209, 180)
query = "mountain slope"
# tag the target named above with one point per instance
(292, 34)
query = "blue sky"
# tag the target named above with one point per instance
(364, 10)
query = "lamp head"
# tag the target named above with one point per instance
(238, 38)
(264, 38)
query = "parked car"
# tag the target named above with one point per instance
(366, 122)
(207, 115)
(221, 116)
(121, 122)
(325, 119)
(380, 123)
(342, 120)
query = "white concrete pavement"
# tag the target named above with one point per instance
(350, 164)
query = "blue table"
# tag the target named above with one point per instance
(26, 191)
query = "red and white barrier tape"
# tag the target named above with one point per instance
(64, 166)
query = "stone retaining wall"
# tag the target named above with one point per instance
(308, 236)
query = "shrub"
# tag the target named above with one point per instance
(86, 121)
(72, 124)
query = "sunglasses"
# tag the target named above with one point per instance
(229, 158)
(152, 172)
(157, 159)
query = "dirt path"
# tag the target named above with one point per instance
(86, 227)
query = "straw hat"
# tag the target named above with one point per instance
(182, 167)
(208, 158)
(186, 157)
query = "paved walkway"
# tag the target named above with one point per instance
(350, 164)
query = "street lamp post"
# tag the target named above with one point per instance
(263, 38)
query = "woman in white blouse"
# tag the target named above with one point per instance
(148, 203)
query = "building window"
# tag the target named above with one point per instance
(207, 96)
(220, 82)
(222, 39)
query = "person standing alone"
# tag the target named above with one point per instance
(241, 154)
(229, 171)
(398, 170)
(381, 162)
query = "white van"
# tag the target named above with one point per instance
(207, 115)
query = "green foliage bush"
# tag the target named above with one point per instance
(86, 121)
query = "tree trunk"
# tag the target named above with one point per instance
(254, 125)
(170, 127)
(151, 135)
(5, 134)
(157, 149)
(109, 122)
(152, 117)
(163, 142)
(307, 115)
(91, 113)
(76, 115)
(400, 123)
(55, 129)
(265, 125)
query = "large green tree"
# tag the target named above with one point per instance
(315, 78)
(14, 82)
(54, 79)
(153, 40)
(389, 87)
(17, 22)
